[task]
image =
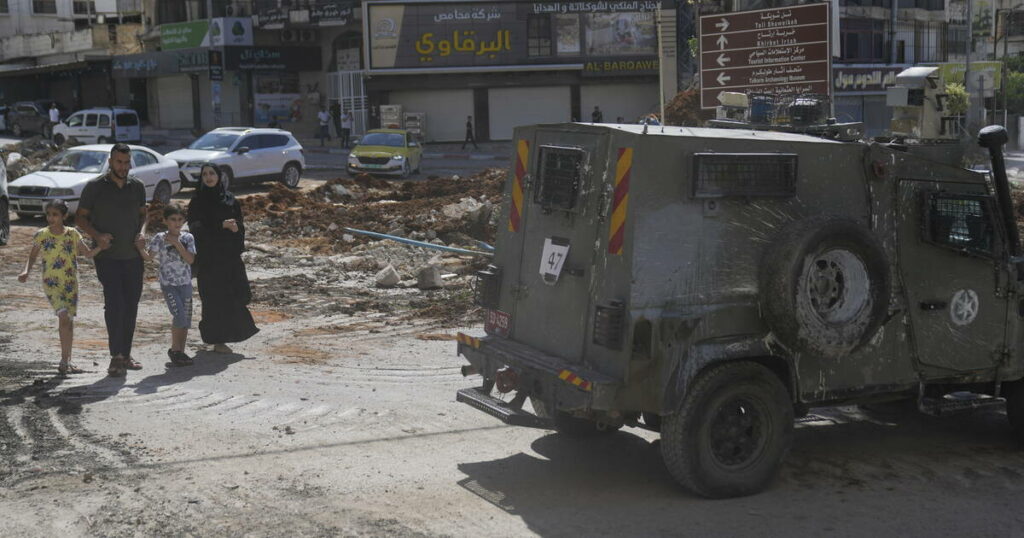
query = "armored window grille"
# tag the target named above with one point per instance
(559, 177)
(718, 175)
(960, 222)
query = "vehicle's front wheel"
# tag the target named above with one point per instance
(731, 432)
(406, 169)
(16, 129)
(59, 139)
(290, 175)
(102, 140)
(162, 192)
(5, 222)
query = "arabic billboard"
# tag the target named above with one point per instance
(492, 35)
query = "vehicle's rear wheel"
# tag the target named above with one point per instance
(227, 177)
(5, 222)
(290, 175)
(16, 129)
(59, 139)
(731, 432)
(569, 425)
(162, 192)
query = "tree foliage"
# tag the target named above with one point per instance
(956, 99)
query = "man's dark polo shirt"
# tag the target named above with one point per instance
(115, 210)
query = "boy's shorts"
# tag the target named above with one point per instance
(179, 303)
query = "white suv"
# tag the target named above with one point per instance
(248, 153)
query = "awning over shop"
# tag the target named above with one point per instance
(48, 68)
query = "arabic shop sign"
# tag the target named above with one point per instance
(864, 79)
(494, 34)
(331, 14)
(153, 64)
(184, 35)
(231, 31)
(618, 67)
(272, 59)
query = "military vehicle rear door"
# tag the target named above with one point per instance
(559, 225)
(950, 244)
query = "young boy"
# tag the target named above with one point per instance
(175, 250)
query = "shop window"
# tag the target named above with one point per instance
(862, 39)
(44, 7)
(4, 8)
(538, 35)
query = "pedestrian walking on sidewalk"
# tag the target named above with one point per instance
(325, 122)
(112, 210)
(596, 116)
(60, 247)
(175, 251)
(336, 118)
(215, 219)
(346, 128)
(469, 134)
(54, 116)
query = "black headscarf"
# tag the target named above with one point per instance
(218, 194)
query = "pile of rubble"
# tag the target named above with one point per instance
(27, 156)
(444, 211)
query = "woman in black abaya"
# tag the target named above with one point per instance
(215, 219)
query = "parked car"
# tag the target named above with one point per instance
(392, 152)
(31, 117)
(249, 153)
(5, 206)
(99, 126)
(66, 174)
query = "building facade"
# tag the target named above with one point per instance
(61, 49)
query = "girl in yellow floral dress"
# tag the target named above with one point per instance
(60, 247)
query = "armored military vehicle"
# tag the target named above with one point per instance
(711, 284)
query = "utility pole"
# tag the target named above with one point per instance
(968, 85)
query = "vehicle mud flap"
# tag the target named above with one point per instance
(824, 286)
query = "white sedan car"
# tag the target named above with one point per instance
(64, 177)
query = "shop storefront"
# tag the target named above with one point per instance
(75, 85)
(171, 85)
(859, 93)
(512, 63)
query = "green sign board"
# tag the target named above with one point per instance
(184, 35)
(989, 72)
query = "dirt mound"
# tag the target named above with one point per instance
(34, 152)
(684, 109)
(450, 210)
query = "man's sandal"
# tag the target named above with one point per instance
(116, 368)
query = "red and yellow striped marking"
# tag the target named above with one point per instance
(468, 340)
(617, 228)
(516, 211)
(573, 379)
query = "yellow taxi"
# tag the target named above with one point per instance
(392, 152)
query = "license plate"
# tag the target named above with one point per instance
(498, 323)
(552, 258)
(373, 166)
(30, 203)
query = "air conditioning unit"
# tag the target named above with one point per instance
(307, 35)
(236, 9)
(290, 36)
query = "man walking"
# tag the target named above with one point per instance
(112, 210)
(325, 122)
(346, 127)
(469, 133)
(54, 116)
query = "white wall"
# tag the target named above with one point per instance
(446, 111)
(627, 100)
(509, 108)
(19, 20)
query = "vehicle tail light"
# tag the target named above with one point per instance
(609, 321)
(487, 288)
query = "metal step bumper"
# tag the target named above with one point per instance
(476, 397)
